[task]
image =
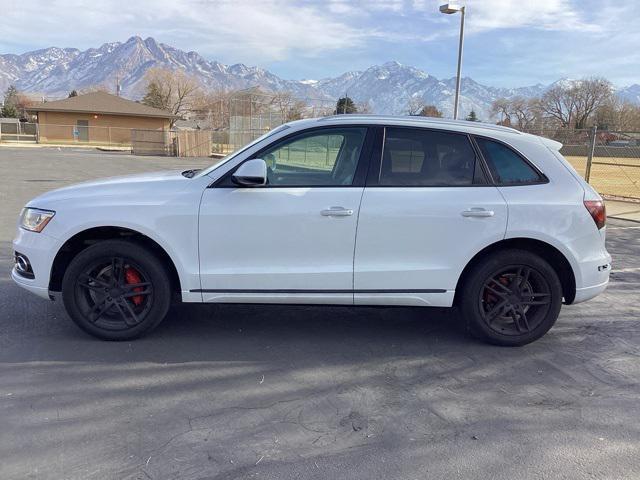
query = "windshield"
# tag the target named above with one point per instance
(224, 160)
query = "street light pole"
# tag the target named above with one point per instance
(450, 9)
(458, 78)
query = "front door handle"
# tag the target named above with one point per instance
(336, 212)
(478, 212)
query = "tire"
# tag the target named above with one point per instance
(120, 306)
(511, 298)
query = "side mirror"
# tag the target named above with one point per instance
(252, 173)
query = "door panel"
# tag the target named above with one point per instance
(426, 210)
(258, 244)
(416, 241)
(292, 240)
(83, 130)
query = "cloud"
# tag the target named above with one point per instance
(560, 15)
(264, 31)
(507, 39)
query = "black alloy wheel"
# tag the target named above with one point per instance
(510, 297)
(515, 300)
(114, 294)
(116, 290)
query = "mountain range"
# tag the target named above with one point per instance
(388, 88)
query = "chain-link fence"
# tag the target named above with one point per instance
(253, 113)
(55, 134)
(608, 160)
(12, 130)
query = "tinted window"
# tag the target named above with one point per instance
(326, 157)
(413, 157)
(507, 166)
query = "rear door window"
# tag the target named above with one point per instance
(415, 157)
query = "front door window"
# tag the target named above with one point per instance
(324, 158)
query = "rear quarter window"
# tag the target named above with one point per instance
(507, 166)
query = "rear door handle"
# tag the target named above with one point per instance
(336, 212)
(478, 212)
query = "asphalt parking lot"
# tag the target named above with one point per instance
(275, 392)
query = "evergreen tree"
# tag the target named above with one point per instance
(472, 117)
(9, 111)
(73, 93)
(155, 96)
(345, 105)
(10, 108)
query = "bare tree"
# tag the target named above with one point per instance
(502, 107)
(430, 111)
(212, 107)
(170, 90)
(288, 106)
(414, 106)
(518, 112)
(571, 105)
(364, 107)
(617, 114)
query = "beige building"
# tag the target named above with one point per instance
(97, 118)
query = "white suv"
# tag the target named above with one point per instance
(350, 210)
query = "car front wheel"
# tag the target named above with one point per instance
(116, 290)
(511, 298)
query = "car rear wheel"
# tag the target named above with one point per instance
(511, 298)
(116, 290)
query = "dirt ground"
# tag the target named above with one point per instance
(611, 175)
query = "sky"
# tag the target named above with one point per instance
(508, 43)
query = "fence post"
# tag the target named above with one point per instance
(592, 146)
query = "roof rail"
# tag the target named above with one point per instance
(417, 118)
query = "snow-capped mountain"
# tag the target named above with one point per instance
(630, 93)
(55, 71)
(388, 88)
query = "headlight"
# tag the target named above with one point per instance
(34, 219)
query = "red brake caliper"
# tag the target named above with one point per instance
(490, 297)
(131, 275)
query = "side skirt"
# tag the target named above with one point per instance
(380, 297)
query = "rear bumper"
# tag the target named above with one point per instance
(587, 293)
(595, 278)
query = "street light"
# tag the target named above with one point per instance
(448, 9)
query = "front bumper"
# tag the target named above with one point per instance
(30, 285)
(40, 250)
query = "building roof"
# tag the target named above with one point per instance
(103, 103)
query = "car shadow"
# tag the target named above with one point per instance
(233, 332)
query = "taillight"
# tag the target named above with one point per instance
(598, 212)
